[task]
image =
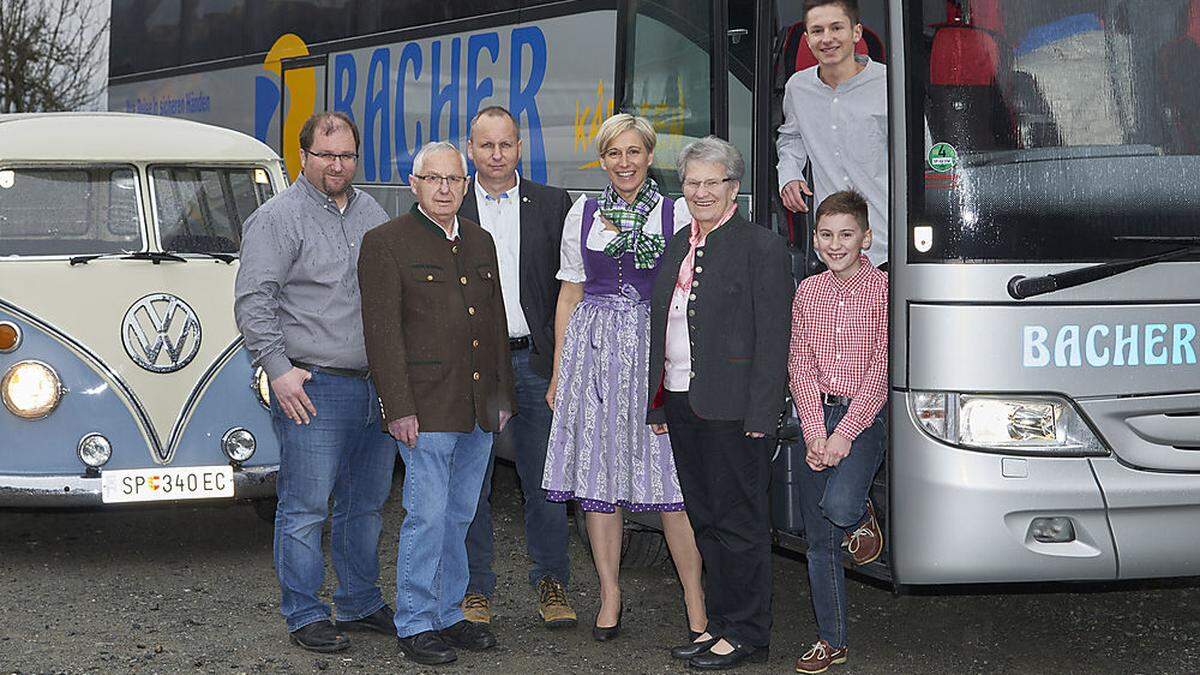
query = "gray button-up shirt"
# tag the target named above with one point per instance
(296, 295)
(844, 132)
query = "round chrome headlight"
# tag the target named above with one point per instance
(31, 389)
(262, 387)
(94, 450)
(238, 444)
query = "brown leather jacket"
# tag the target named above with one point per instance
(433, 319)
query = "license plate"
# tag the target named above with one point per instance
(161, 485)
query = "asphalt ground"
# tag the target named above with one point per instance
(191, 589)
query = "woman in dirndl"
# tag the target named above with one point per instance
(601, 452)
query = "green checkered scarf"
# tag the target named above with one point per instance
(630, 218)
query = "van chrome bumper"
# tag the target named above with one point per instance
(64, 491)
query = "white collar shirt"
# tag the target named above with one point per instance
(452, 234)
(501, 217)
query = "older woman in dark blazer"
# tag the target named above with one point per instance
(720, 317)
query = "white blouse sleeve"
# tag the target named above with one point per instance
(683, 217)
(570, 266)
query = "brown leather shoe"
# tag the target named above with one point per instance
(553, 606)
(865, 543)
(820, 657)
(477, 609)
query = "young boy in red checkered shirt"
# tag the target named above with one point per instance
(837, 368)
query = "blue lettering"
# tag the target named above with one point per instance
(439, 96)
(345, 83)
(404, 151)
(266, 102)
(1184, 352)
(1036, 355)
(1066, 347)
(1095, 358)
(1155, 336)
(479, 89)
(522, 100)
(1127, 347)
(376, 109)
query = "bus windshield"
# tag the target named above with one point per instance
(201, 209)
(68, 211)
(1057, 129)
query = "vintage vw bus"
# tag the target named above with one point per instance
(124, 378)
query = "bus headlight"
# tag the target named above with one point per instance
(1043, 425)
(262, 387)
(31, 389)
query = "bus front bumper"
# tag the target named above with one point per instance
(71, 491)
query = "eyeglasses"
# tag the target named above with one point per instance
(434, 179)
(713, 184)
(346, 157)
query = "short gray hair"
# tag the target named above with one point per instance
(434, 147)
(715, 150)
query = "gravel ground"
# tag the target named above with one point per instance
(191, 589)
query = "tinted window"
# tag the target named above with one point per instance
(68, 211)
(201, 210)
(1059, 130)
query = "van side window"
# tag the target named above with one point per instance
(68, 211)
(201, 209)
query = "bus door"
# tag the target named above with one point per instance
(305, 91)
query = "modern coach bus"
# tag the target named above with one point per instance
(1045, 392)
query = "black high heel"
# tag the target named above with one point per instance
(605, 634)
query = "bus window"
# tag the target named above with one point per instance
(201, 210)
(68, 211)
(1058, 129)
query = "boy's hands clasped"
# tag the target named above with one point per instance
(824, 453)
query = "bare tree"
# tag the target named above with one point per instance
(50, 51)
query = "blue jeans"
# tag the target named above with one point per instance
(342, 453)
(834, 501)
(545, 521)
(441, 489)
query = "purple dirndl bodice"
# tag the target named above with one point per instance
(607, 275)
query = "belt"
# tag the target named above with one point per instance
(830, 399)
(518, 343)
(342, 372)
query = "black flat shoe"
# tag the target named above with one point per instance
(741, 653)
(607, 633)
(320, 636)
(426, 648)
(693, 648)
(474, 637)
(382, 621)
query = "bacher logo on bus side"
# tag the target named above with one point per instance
(1104, 345)
(161, 333)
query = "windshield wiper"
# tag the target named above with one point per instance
(226, 258)
(155, 257)
(1022, 287)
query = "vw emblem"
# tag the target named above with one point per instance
(161, 333)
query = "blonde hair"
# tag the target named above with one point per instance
(619, 124)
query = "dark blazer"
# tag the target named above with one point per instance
(543, 211)
(739, 318)
(433, 319)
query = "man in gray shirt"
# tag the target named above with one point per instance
(836, 116)
(298, 307)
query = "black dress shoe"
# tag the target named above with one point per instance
(474, 637)
(604, 634)
(320, 636)
(741, 653)
(693, 648)
(426, 648)
(382, 621)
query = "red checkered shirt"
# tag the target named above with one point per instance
(840, 346)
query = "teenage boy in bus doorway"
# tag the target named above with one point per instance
(836, 117)
(526, 221)
(837, 371)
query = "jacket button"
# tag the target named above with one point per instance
(692, 296)
(462, 280)
(471, 311)
(699, 269)
(692, 374)
(695, 283)
(475, 344)
(699, 253)
(429, 277)
(691, 312)
(475, 376)
(454, 248)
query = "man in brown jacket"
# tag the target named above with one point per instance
(437, 343)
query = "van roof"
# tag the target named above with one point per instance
(122, 137)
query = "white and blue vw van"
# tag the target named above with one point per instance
(122, 374)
